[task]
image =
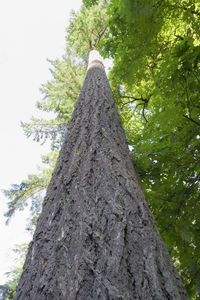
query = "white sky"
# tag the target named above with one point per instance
(30, 32)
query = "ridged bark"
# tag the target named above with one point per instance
(96, 238)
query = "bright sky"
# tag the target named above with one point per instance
(30, 32)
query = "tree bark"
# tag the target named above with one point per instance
(96, 237)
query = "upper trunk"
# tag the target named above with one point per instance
(95, 237)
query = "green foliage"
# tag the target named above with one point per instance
(86, 29)
(156, 50)
(42, 130)
(7, 291)
(60, 95)
(89, 3)
(31, 191)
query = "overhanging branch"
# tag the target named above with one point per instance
(144, 103)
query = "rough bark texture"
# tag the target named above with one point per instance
(96, 238)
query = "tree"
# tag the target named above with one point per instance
(155, 46)
(96, 237)
(59, 96)
(155, 79)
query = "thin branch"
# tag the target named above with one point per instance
(100, 35)
(144, 103)
(124, 103)
(138, 105)
(129, 97)
(90, 45)
(179, 37)
(190, 119)
(187, 97)
(144, 113)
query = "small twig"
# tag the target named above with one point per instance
(124, 103)
(138, 105)
(179, 37)
(90, 44)
(129, 97)
(100, 35)
(144, 103)
(144, 113)
(187, 97)
(190, 119)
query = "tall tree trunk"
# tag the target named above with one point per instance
(95, 237)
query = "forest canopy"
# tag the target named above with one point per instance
(155, 50)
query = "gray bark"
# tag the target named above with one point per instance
(96, 237)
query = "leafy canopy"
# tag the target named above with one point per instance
(155, 46)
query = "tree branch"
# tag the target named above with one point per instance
(100, 35)
(144, 113)
(130, 97)
(144, 103)
(131, 101)
(190, 119)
